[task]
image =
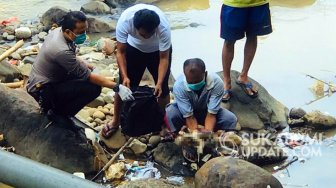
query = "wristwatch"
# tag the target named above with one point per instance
(116, 88)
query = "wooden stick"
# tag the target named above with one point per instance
(14, 85)
(113, 158)
(11, 50)
(29, 54)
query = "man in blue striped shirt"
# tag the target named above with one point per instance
(198, 97)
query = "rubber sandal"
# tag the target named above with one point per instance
(247, 86)
(108, 131)
(228, 93)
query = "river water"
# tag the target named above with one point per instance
(303, 42)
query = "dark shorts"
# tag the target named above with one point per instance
(236, 23)
(138, 61)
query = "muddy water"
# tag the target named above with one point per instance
(303, 42)
(31, 9)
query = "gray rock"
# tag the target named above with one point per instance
(116, 141)
(8, 72)
(34, 42)
(154, 140)
(5, 35)
(85, 50)
(105, 90)
(24, 127)
(42, 35)
(53, 15)
(95, 7)
(255, 113)
(152, 183)
(170, 155)
(40, 27)
(296, 122)
(262, 151)
(297, 113)
(108, 99)
(10, 37)
(98, 114)
(143, 140)
(34, 31)
(16, 56)
(97, 25)
(111, 3)
(97, 102)
(138, 147)
(319, 120)
(28, 60)
(224, 172)
(84, 114)
(25, 69)
(23, 33)
(10, 30)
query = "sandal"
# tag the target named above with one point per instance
(108, 131)
(227, 93)
(246, 87)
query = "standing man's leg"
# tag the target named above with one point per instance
(249, 53)
(135, 70)
(233, 22)
(227, 58)
(153, 67)
(259, 23)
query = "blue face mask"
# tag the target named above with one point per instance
(197, 86)
(80, 39)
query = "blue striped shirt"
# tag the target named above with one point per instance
(189, 101)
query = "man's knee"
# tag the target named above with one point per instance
(174, 118)
(229, 44)
(227, 120)
(232, 120)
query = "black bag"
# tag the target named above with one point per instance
(143, 115)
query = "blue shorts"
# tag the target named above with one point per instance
(236, 23)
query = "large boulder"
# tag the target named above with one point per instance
(8, 72)
(152, 183)
(319, 120)
(224, 172)
(25, 129)
(53, 16)
(261, 151)
(96, 7)
(255, 113)
(97, 25)
(170, 155)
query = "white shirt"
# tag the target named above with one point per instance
(127, 33)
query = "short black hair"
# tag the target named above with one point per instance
(146, 19)
(194, 63)
(71, 18)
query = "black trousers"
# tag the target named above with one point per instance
(66, 98)
(138, 61)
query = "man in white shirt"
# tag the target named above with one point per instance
(143, 41)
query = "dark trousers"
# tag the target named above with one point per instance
(66, 98)
(138, 61)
